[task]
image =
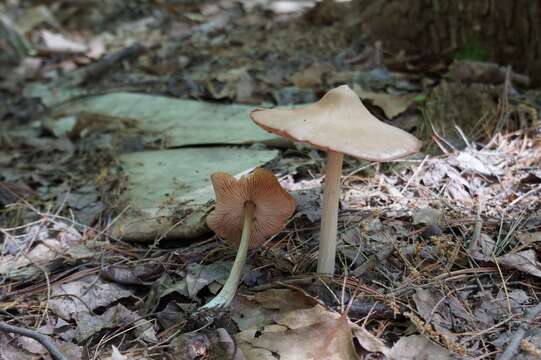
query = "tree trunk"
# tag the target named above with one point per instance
(503, 31)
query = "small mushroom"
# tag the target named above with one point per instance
(340, 124)
(247, 212)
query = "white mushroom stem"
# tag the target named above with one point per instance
(226, 295)
(329, 214)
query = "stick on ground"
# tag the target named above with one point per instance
(43, 339)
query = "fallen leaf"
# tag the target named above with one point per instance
(529, 238)
(88, 293)
(311, 77)
(329, 339)
(417, 347)
(90, 324)
(370, 342)
(427, 302)
(525, 261)
(258, 310)
(483, 249)
(304, 317)
(239, 85)
(469, 162)
(9, 351)
(198, 276)
(42, 243)
(308, 203)
(116, 355)
(171, 315)
(139, 274)
(59, 43)
(392, 105)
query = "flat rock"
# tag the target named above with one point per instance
(177, 122)
(168, 192)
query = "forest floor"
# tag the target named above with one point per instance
(114, 114)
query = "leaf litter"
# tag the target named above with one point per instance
(438, 254)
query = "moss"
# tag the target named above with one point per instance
(471, 108)
(472, 50)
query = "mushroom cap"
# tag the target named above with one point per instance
(273, 206)
(339, 122)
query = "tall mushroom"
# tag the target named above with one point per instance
(247, 212)
(340, 124)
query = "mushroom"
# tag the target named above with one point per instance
(247, 212)
(339, 124)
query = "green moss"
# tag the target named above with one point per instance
(420, 98)
(472, 50)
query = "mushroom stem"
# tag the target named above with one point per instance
(226, 295)
(329, 215)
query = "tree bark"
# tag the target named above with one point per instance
(507, 31)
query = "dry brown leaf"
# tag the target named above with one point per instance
(472, 164)
(260, 309)
(329, 339)
(417, 347)
(311, 77)
(71, 300)
(370, 342)
(392, 105)
(42, 243)
(529, 238)
(525, 261)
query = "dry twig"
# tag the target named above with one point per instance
(43, 339)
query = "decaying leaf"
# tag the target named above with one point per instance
(529, 237)
(238, 85)
(426, 303)
(71, 300)
(417, 347)
(471, 163)
(90, 324)
(254, 311)
(311, 77)
(525, 261)
(329, 338)
(392, 105)
(22, 348)
(42, 243)
(369, 342)
(136, 275)
(198, 276)
(117, 355)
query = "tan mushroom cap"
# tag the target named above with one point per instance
(339, 122)
(273, 206)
